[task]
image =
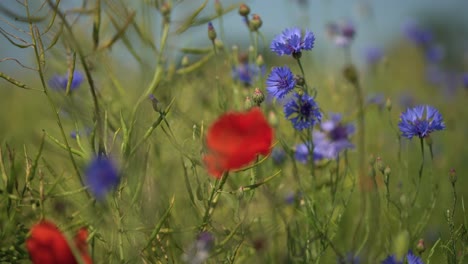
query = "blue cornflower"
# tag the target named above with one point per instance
(280, 82)
(101, 176)
(59, 82)
(410, 258)
(372, 55)
(291, 42)
(332, 138)
(303, 111)
(417, 34)
(435, 54)
(278, 156)
(377, 99)
(465, 80)
(247, 73)
(420, 121)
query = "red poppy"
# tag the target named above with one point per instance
(47, 245)
(235, 140)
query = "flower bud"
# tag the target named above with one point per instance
(300, 81)
(380, 164)
(420, 247)
(185, 61)
(453, 176)
(273, 119)
(211, 32)
(218, 7)
(259, 61)
(400, 244)
(258, 97)
(155, 102)
(255, 23)
(428, 140)
(388, 104)
(350, 73)
(244, 10)
(387, 173)
(248, 103)
(219, 44)
(371, 159)
(165, 10)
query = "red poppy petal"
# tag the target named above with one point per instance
(235, 139)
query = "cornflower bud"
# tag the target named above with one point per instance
(255, 23)
(258, 97)
(244, 10)
(211, 32)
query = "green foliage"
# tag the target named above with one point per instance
(166, 197)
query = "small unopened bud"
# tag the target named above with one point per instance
(248, 103)
(371, 159)
(219, 44)
(258, 97)
(240, 193)
(300, 81)
(420, 247)
(244, 10)
(453, 176)
(211, 32)
(218, 7)
(255, 23)
(387, 171)
(297, 55)
(351, 74)
(428, 140)
(273, 119)
(251, 49)
(388, 104)
(259, 61)
(166, 10)
(155, 102)
(185, 61)
(380, 164)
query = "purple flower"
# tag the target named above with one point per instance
(341, 34)
(373, 55)
(410, 258)
(332, 138)
(303, 111)
(377, 99)
(391, 260)
(101, 176)
(420, 121)
(291, 42)
(417, 34)
(278, 155)
(435, 53)
(247, 73)
(465, 80)
(280, 82)
(200, 249)
(59, 82)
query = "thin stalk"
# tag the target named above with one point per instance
(213, 200)
(97, 112)
(420, 173)
(49, 98)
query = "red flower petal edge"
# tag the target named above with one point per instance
(235, 140)
(47, 245)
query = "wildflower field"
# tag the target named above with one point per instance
(188, 131)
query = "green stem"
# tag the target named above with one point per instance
(213, 200)
(49, 98)
(420, 173)
(97, 112)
